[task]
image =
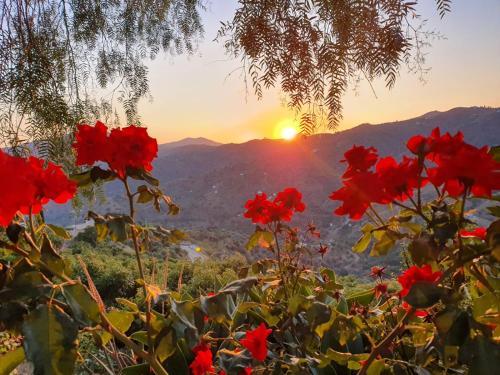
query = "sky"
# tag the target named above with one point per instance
(204, 95)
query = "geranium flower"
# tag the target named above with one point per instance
(420, 313)
(468, 167)
(256, 342)
(322, 249)
(202, 363)
(258, 209)
(419, 145)
(290, 198)
(398, 179)
(377, 272)
(358, 193)
(380, 289)
(479, 232)
(359, 159)
(416, 274)
(91, 143)
(131, 147)
(27, 185)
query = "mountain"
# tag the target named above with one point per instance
(166, 148)
(211, 182)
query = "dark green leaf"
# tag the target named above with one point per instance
(84, 307)
(50, 341)
(423, 295)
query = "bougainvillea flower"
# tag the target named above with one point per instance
(359, 159)
(416, 274)
(290, 198)
(131, 147)
(91, 143)
(380, 289)
(399, 179)
(202, 363)
(358, 193)
(479, 232)
(378, 272)
(256, 342)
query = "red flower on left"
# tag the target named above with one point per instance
(28, 184)
(129, 147)
(202, 363)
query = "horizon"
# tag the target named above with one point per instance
(463, 73)
(192, 137)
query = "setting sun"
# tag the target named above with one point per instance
(288, 133)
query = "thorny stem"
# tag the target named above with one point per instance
(135, 240)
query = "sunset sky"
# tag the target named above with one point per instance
(204, 94)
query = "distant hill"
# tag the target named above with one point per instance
(166, 148)
(211, 184)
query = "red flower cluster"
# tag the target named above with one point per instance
(256, 342)
(202, 363)
(380, 289)
(27, 185)
(479, 232)
(457, 166)
(416, 274)
(263, 211)
(130, 147)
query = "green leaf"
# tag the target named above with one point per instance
(50, 340)
(167, 346)
(121, 320)
(145, 194)
(261, 238)
(423, 250)
(363, 298)
(239, 286)
(125, 302)
(376, 367)
(140, 336)
(117, 229)
(494, 210)
(318, 313)
(423, 294)
(495, 152)
(59, 231)
(84, 307)
(52, 259)
(10, 360)
(365, 239)
(142, 369)
(385, 241)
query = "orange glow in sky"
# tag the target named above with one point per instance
(286, 129)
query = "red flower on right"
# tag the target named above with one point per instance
(416, 274)
(256, 342)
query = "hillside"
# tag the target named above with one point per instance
(211, 184)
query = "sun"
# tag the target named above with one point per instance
(288, 133)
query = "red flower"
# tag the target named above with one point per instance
(27, 185)
(202, 363)
(258, 209)
(359, 159)
(398, 180)
(313, 231)
(132, 147)
(256, 342)
(358, 193)
(377, 272)
(420, 313)
(380, 289)
(467, 167)
(290, 198)
(91, 143)
(261, 210)
(322, 249)
(417, 274)
(419, 145)
(479, 232)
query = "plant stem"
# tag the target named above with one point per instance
(278, 255)
(130, 197)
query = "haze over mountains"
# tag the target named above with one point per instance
(211, 182)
